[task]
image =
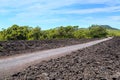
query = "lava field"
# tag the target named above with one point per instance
(98, 62)
(9, 48)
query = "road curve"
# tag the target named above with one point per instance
(11, 65)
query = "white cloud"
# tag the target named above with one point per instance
(46, 5)
(115, 18)
(29, 10)
(51, 3)
(91, 10)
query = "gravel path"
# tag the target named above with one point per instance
(14, 64)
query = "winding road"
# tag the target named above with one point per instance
(14, 64)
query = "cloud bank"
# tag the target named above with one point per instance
(48, 12)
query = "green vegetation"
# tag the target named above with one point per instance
(113, 32)
(97, 31)
(82, 33)
(16, 32)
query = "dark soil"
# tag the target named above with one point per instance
(8, 48)
(98, 62)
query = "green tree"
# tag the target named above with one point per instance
(3, 35)
(34, 34)
(16, 32)
(81, 33)
(66, 32)
(97, 31)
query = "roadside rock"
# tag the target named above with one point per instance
(8, 48)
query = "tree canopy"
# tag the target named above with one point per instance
(16, 32)
(97, 31)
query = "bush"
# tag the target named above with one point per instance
(97, 31)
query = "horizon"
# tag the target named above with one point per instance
(55, 27)
(51, 13)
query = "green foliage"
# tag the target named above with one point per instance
(66, 32)
(34, 33)
(51, 34)
(97, 31)
(2, 35)
(81, 33)
(113, 32)
(16, 32)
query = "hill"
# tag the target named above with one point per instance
(108, 27)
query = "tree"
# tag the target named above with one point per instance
(97, 31)
(12, 33)
(81, 33)
(16, 32)
(3, 34)
(66, 32)
(34, 34)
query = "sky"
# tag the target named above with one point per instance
(54, 13)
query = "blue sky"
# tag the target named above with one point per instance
(53, 13)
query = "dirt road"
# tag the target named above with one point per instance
(14, 64)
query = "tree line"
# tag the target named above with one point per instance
(16, 32)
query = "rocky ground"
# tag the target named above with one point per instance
(8, 48)
(98, 62)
